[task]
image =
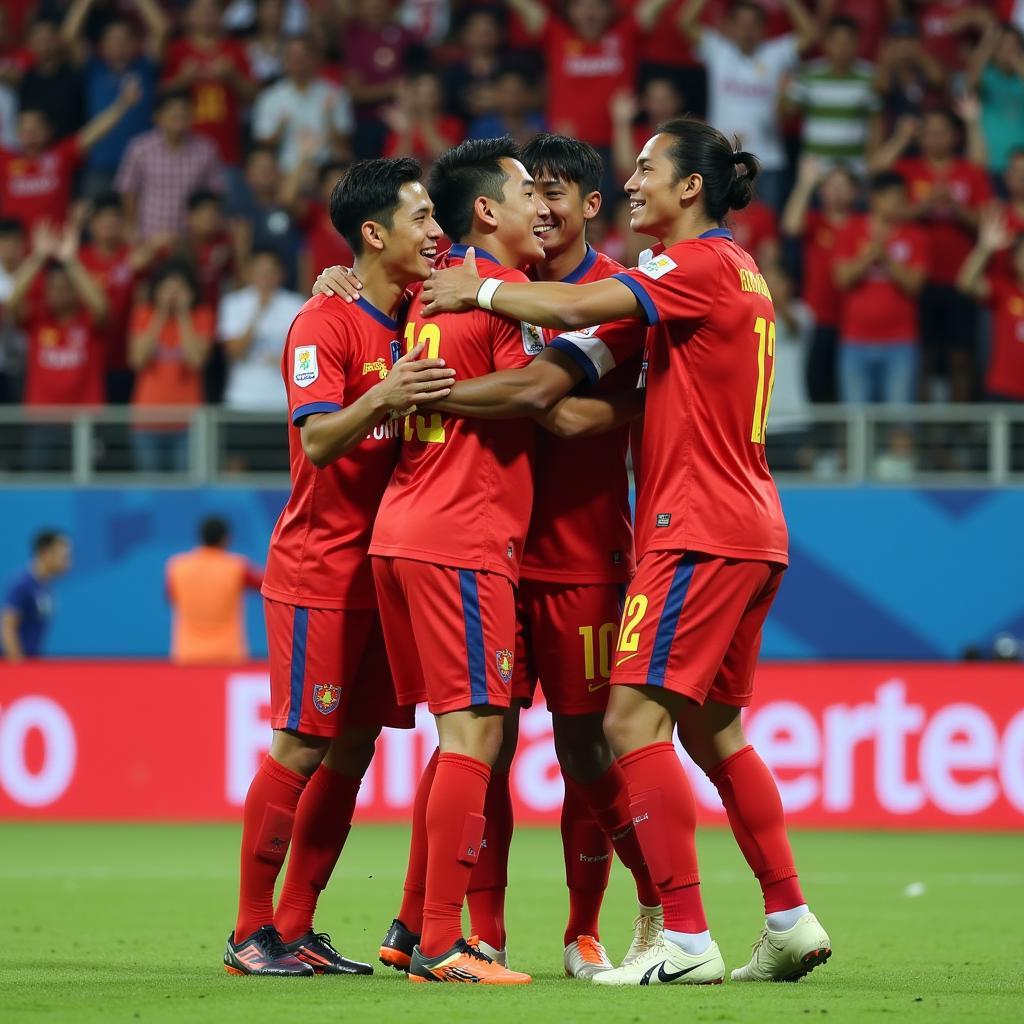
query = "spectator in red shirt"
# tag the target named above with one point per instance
(590, 57)
(15, 60)
(215, 69)
(377, 55)
(756, 229)
(947, 193)
(66, 343)
(1004, 293)
(515, 111)
(419, 126)
(35, 183)
(207, 245)
(946, 26)
(880, 267)
(818, 230)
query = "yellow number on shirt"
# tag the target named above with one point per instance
(210, 106)
(603, 654)
(765, 331)
(629, 638)
(429, 429)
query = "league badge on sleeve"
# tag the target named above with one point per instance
(306, 369)
(658, 266)
(504, 659)
(326, 697)
(533, 339)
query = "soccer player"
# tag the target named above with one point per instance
(711, 539)
(331, 691)
(447, 545)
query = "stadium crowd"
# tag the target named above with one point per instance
(164, 166)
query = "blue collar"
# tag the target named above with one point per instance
(584, 268)
(373, 311)
(717, 233)
(459, 251)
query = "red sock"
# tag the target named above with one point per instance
(489, 880)
(758, 822)
(608, 800)
(267, 822)
(588, 861)
(665, 817)
(411, 911)
(322, 824)
(455, 830)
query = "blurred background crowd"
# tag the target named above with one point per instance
(164, 166)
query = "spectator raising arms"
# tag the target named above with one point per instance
(117, 56)
(304, 113)
(996, 73)
(880, 267)
(168, 347)
(1004, 293)
(164, 167)
(908, 78)
(35, 182)
(745, 76)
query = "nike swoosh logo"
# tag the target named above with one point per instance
(666, 977)
(594, 687)
(622, 661)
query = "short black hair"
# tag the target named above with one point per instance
(267, 250)
(11, 226)
(174, 267)
(564, 159)
(202, 196)
(261, 148)
(369, 191)
(463, 174)
(107, 201)
(45, 539)
(172, 96)
(843, 21)
(884, 180)
(213, 531)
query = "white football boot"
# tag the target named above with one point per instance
(665, 963)
(586, 957)
(647, 928)
(788, 955)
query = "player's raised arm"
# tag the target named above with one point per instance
(547, 304)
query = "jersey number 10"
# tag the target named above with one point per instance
(765, 331)
(429, 429)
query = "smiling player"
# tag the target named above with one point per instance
(331, 691)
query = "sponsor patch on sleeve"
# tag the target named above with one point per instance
(657, 267)
(306, 369)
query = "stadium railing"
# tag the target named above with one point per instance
(940, 445)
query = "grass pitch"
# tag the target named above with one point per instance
(127, 923)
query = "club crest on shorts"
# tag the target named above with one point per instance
(306, 369)
(326, 697)
(504, 659)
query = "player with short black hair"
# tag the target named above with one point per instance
(331, 690)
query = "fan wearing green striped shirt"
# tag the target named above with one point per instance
(842, 120)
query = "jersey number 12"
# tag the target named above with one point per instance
(765, 331)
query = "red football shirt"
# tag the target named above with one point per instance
(66, 360)
(335, 352)
(38, 188)
(938, 30)
(820, 291)
(216, 108)
(876, 309)
(581, 530)
(583, 77)
(1005, 375)
(949, 241)
(1002, 261)
(463, 488)
(117, 276)
(705, 484)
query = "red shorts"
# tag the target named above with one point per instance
(564, 640)
(451, 633)
(328, 670)
(692, 624)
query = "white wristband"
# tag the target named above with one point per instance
(485, 293)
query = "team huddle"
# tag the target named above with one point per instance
(459, 533)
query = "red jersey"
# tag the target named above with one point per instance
(117, 277)
(214, 263)
(334, 354)
(583, 76)
(1005, 376)
(705, 484)
(216, 108)
(38, 188)
(876, 309)
(949, 240)
(66, 360)
(581, 530)
(820, 291)
(939, 33)
(463, 488)
(753, 226)
(1002, 261)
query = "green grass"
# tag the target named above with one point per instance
(126, 923)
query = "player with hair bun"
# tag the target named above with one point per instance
(711, 538)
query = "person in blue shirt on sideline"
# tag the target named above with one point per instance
(28, 603)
